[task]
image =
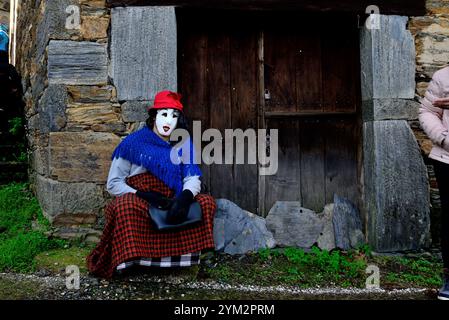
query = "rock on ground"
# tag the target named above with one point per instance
(347, 224)
(237, 231)
(293, 225)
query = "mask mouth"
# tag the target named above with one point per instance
(166, 128)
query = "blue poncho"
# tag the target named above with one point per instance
(145, 148)
(4, 38)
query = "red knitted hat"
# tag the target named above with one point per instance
(167, 99)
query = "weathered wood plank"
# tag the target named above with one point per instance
(286, 183)
(312, 149)
(280, 69)
(341, 159)
(339, 75)
(192, 57)
(219, 103)
(243, 54)
(308, 69)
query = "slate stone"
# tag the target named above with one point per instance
(326, 240)
(388, 60)
(143, 51)
(61, 199)
(237, 231)
(81, 156)
(293, 225)
(77, 62)
(396, 189)
(390, 109)
(347, 224)
(135, 111)
(51, 109)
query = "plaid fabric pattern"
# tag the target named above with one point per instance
(186, 260)
(129, 234)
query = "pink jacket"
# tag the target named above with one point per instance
(434, 120)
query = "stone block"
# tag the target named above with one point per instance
(81, 156)
(143, 51)
(72, 203)
(347, 224)
(292, 225)
(51, 109)
(326, 240)
(388, 60)
(237, 231)
(135, 111)
(396, 187)
(390, 109)
(91, 113)
(93, 27)
(75, 63)
(90, 94)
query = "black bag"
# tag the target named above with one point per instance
(159, 218)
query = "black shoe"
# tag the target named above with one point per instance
(443, 294)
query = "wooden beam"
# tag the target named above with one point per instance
(280, 114)
(398, 7)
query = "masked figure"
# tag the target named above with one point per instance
(143, 176)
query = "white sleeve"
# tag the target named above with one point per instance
(119, 171)
(192, 183)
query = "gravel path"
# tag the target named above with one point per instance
(144, 287)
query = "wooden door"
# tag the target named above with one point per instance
(308, 66)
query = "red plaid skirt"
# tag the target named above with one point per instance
(129, 234)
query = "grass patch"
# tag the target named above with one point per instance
(292, 266)
(320, 268)
(56, 260)
(402, 272)
(19, 243)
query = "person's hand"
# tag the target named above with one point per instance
(155, 199)
(441, 103)
(180, 208)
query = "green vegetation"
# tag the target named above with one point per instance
(402, 272)
(19, 243)
(56, 260)
(295, 267)
(17, 131)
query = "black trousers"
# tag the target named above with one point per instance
(442, 175)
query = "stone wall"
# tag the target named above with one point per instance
(82, 97)
(431, 34)
(74, 118)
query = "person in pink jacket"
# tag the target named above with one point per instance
(434, 120)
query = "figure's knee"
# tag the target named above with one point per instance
(129, 200)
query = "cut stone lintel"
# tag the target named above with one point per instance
(402, 7)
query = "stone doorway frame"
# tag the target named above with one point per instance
(394, 178)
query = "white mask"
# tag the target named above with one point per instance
(166, 121)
